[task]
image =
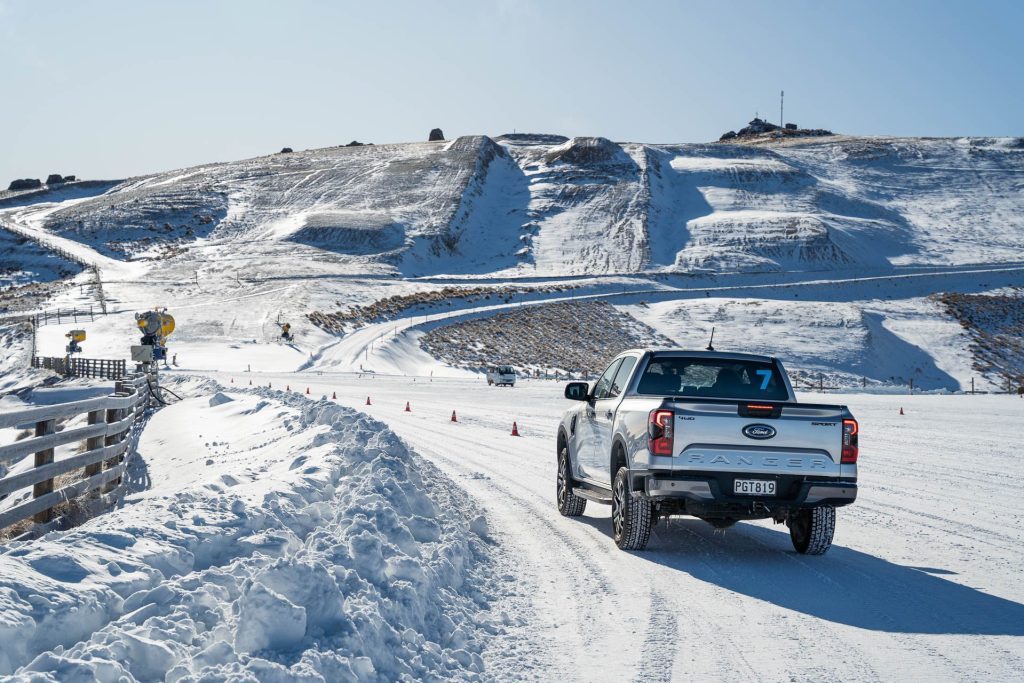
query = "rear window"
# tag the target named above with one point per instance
(712, 378)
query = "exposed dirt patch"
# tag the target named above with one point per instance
(995, 323)
(576, 337)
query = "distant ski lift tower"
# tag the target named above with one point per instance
(782, 119)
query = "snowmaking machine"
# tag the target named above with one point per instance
(76, 337)
(156, 326)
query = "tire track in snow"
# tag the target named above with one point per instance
(593, 595)
(661, 628)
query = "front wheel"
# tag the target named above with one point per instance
(811, 530)
(569, 504)
(631, 516)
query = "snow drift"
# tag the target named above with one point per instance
(279, 538)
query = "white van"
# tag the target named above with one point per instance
(501, 375)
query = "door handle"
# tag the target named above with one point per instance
(608, 414)
(591, 413)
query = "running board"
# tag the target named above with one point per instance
(601, 497)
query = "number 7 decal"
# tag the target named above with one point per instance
(767, 375)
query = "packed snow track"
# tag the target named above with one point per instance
(921, 583)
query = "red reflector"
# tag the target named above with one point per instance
(752, 406)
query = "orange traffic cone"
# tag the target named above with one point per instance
(901, 410)
(334, 395)
(453, 417)
(515, 429)
(232, 380)
(368, 401)
(307, 390)
(270, 385)
(287, 387)
(250, 383)
(407, 408)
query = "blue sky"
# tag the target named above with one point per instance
(112, 89)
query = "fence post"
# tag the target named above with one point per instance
(94, 442)
(44, 457)
(114, 415)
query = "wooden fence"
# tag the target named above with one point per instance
(107, 443)
(104, 368)
(53, 246)
(64, 316)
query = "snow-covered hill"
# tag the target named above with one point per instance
(236, 247)
(537, 206)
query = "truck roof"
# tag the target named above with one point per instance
(726, 355)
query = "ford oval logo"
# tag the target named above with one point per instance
(759, 431)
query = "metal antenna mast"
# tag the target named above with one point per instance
(782, 119)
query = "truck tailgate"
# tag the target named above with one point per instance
(792, 438)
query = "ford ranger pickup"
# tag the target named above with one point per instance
(714, 435)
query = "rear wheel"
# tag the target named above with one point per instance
(631, 516)
(569, 504)
(811, 530)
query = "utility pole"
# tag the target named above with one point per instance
(782, 119)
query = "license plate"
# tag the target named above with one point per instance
(753, 487)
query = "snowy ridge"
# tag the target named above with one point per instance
(310, 531)
(542, 205)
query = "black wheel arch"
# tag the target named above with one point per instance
(618, 456)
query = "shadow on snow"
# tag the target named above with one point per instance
(845, 586)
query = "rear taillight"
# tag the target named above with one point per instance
(850, 450)
(659, 432)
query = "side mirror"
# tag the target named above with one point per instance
(577, 391)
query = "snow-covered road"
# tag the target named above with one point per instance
(921, 584)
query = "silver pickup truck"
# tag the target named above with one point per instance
(714, 435)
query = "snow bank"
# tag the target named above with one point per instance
(280, 539)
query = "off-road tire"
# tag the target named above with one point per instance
(631, 516)
(811, 530)
(569, 504)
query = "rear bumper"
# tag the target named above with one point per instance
(714, 490)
